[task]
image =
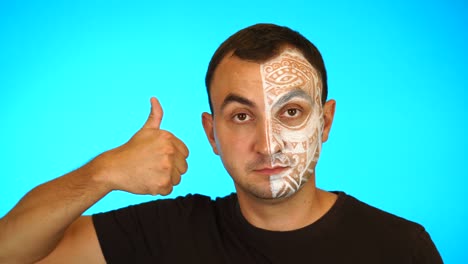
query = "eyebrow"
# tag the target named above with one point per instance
(234, 98)
(292, 94)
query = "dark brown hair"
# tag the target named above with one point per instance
(262, 42)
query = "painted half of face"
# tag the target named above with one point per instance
(294, 119)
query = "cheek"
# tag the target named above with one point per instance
(292, 137)
(304, 140)
(231, 141)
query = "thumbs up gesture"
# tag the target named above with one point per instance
(151, 162)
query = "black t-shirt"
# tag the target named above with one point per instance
(196, 229)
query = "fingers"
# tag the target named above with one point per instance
(174, 152)
(176, 165)
(156, 114)
(164, 190)
(180, 167)
(181, 147)
(175, 177)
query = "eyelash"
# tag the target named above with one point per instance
(285, 114)
(236, 119)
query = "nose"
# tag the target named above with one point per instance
(268, 140)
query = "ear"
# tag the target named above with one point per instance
(328, 114)
(207, 121)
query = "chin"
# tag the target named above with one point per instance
(273, 188)
(268, 196)
(281, 188)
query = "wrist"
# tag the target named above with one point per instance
(99, 173)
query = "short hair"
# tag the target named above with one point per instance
(262, 42)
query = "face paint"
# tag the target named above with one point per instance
(294, 119)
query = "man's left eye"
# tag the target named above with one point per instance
(291, 112)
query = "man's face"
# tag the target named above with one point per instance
(268, 122)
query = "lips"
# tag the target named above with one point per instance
(271, 170)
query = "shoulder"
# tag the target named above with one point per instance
(191, 204)
(370, 220)
(386, 230)
(378, 226)
(368, 217)
(154, 229)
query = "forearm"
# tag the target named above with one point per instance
(151, 162)
(32, 229)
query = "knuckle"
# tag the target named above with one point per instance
(169, 150)
(166, 191)
(184, 150)
(184, 166)
(166, 135)
(162, 186)
(164, 183)
(167, 167)
(176, 181)
(151, 190)
(184, 169)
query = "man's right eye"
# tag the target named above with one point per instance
(241, 117)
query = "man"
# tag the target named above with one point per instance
(267, 89)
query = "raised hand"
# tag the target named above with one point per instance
(151, 162)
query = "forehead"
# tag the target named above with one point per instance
(235, 76)
(290, 68)
(287, 71)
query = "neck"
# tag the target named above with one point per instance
(302, 208)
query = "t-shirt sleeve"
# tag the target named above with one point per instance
(121, 233)
(425, 251)
(137, 234)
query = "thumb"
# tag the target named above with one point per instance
(156, 114)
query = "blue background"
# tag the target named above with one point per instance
(76, 78)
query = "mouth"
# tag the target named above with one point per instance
(271, 170)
